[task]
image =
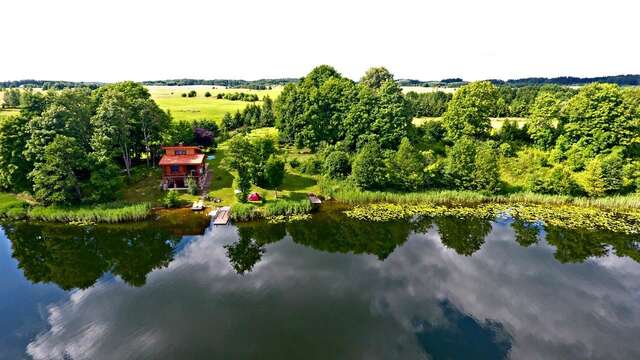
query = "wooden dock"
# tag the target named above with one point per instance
(221, 216)
(314, 199)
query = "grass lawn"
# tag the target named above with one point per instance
(201, 107)
(145, 186)
(295, 186)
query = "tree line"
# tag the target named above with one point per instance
(363, 132)
(74, 145)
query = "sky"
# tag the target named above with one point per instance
(248, 39)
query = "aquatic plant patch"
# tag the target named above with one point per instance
(567, 216)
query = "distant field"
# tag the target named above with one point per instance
(200, 107)
(422, 89)
(496, 123)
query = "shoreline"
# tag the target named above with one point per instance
(616, 214)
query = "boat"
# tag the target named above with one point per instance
(198, 206)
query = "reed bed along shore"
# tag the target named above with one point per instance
(277, 210)
(460, 197)
(108, 213)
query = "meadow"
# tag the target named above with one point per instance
(201, 107)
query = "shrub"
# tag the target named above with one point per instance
(183, 95)
(243, 184)
(192, 186)
(579, 154)
(311, 166)
(336, 165)
(369, 170)
(558, 181)
(506, 150)
(604, 174)
(460, 164)
(274, 171)
(406, 167)
(486, 173)
(294, 163)
(207, 94)
(171, 199)
(192, 93)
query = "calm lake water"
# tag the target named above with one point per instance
(330, 288)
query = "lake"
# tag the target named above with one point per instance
(329, 288)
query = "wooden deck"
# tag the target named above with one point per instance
(314, 199)
(222, 216)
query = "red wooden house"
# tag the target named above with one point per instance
(180, 163)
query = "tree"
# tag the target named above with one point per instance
(336, 165)
(393, 116)
(112, 129)
(11, 97)
(274, 171)
(375, 77)
(267, 117)
(601, 116)
(105, 182)
(13, 165)
(56, 179)
(604, 174)
(545, 117)
(486, 173)
(558, 181)
(407, 166)
(369, 170)
(460, 163)
(469, 111)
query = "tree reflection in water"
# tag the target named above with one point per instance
(76, 257)
(465, 236)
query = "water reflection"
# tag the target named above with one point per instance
(76, 257)
(431, 288)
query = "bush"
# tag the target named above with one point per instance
(183, 95)
(336, 165)
(294, 163)
(274, 171)
(486, 173)
(242, 183)
(171, 199)
(192, 186)
(506, 150)
(369, 170)
(558, 181)
(207, 94)
(604, 174)
(192, 93)
(311, 166)
(460, 164)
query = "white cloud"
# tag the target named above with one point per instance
(297, 301)
(143, 40)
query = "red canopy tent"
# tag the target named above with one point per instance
(254, 197)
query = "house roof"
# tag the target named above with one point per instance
(191, 159)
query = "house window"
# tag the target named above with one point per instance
(181, 152)
(175, 168)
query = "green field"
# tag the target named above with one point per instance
(201, 107)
